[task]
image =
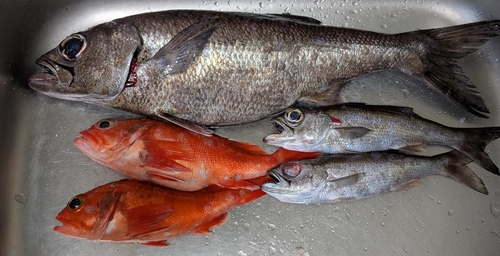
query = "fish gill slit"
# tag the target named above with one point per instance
(132, 75)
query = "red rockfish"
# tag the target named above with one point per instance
(136, 211)
(172, 156)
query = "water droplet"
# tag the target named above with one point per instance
(241, 253)
(431, 197)
(383, 224)
(406, 250)
(272, 250)
(467, 228)
(354, 11)
(261, 4)
(478, 14)
(458, 231)
(20, 198)
(271, 226)
(495, 205)
(462, 120)
(438, 202)
(450, 212)
(383, 26)
(365, 249)
(406, 93)
(483, 220)
(373, 212)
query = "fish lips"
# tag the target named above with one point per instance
(69, 227)
(285, 132)
(277, 184)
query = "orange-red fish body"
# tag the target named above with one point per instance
(174, 157)
(136, 211)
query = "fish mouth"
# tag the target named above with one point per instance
(46, 75)
(69, 227)
(277, 181)
(284, 132)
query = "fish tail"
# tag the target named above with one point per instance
(442, 71)
(458, 170)
(476, 139)
(284, 155)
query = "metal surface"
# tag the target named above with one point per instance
(42, 169)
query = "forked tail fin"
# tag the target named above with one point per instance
(476, 139)
(449, 44)
(458, 170)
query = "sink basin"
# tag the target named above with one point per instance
(42, 169)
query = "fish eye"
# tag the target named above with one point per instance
(76, 203)
(72, 47)
(105, 124)
(294, 116)
(291, 170)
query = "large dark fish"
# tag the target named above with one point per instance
(341, 178)
(222, 68)
(355, 128)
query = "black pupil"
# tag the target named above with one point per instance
(104, 124)
(294, 116)
(75, 203)
(73, 47)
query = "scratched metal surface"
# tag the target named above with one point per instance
(41, 168)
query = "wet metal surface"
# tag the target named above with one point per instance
(42, 169)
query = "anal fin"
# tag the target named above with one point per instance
(204, 228)
(410, 184)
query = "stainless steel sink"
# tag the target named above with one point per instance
(42, 169)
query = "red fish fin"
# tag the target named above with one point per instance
(285, 155)
(260, 180)
(232, 184)
(413, 148)
(247, 196)
(204, 228)
(156, 243)
(251, 148)
(146, 219)
(159, 177)
(163, 155)
(409, 184)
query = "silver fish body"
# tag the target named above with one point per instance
(341, 178)
(356, 127)
(221, 68)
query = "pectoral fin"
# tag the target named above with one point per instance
(178, 54)
(146, 219)
(348, 180)
(413, 148)
(352, 132)
(164, 155)
(186, 124)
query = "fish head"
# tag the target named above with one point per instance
(299, 130)
(89, 65)
(295, 182)
(87, 215)
(107, 139)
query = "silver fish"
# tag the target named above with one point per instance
(341, 178)
(356, 127)
(222, 68)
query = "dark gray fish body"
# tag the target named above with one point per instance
(341, 178)
(355, 128)
(220, 68)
